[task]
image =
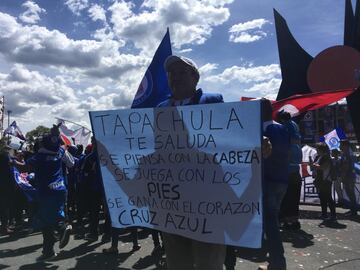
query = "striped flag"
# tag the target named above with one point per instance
(74, 137)
(14, 130)
(298, 104)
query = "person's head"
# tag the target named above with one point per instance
(19, 155)
(266, 109)
(72, 150)
(335, 153)
(37, 145)
(183, 76)
(283, 116)
(80, 149)
(322, 149)
(88, 149)
(52, 141)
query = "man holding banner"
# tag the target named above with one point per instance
(181, 252)
(179, 170)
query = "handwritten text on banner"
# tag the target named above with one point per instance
(192, 170)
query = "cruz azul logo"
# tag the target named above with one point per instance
(145, 89)
(334, 142)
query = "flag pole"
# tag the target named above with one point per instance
(9, 112)
(73, 123)
(2, 110)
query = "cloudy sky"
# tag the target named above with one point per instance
(62, 58)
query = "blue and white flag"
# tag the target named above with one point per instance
(332, 139)
(14, 130)
(154, 88)
(22, 180)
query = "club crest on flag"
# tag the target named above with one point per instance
(145, 89)
(334, 142)
(154, 87)
(332, 139)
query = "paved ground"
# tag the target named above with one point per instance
(315, 246)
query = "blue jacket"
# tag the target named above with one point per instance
(48, 171)
(295, 149)
(276, 166)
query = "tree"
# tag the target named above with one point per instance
(32, 135)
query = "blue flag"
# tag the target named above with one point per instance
(154, 88)
(332, 139)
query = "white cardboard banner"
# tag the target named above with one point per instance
(194, 170)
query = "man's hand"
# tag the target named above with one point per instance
(266, 147)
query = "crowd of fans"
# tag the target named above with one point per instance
(66, 194)
(78, 206)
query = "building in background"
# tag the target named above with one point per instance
(317, 123)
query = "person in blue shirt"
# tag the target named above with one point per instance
(275, 184)
(47, 166)
(289, 211)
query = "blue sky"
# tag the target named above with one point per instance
(64, 58)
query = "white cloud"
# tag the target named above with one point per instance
(116, 66)
(39, 46)
(25, 89)
(217, 3)
(207, 68)
(76, 6)
(246, 74)
(184, 51)
(122, 99)
(31, 15)
(106, 33)
(248, 31)
(268, 89)
(96, 12)
(249, 25)
(248, 80)
(32, 95)
(68, 110)
(190, 21)
(94, 90)
(247, 38)
(8, 26)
